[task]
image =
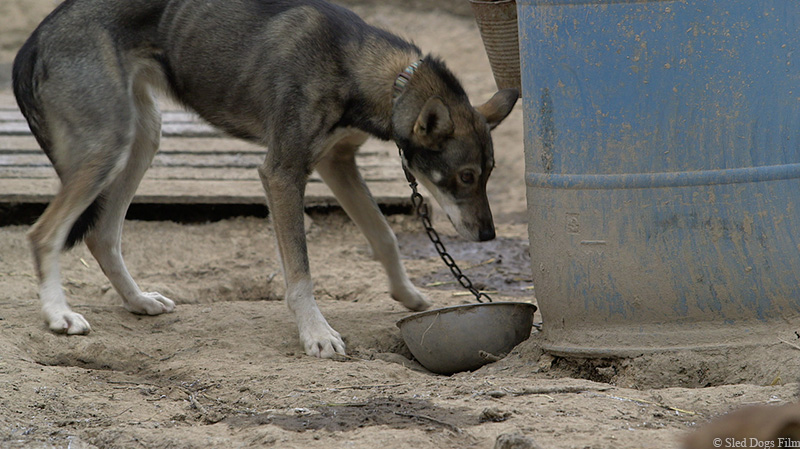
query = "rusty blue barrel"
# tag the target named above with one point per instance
(662, 145)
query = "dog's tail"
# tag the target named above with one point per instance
(84, 223)
(25, 78)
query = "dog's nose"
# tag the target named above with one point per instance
(486, 234)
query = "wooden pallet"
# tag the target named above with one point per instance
(195, 165)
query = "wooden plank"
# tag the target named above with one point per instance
(371, 152)
(45, 170)
(38, 191)
(11, 158)
(14, 128)
(27, 143)
(18, 143)
(174, 123)
(10, 114)
(13, 114)
(20, 128)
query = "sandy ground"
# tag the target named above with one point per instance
(227, 369)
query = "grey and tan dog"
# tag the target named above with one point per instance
(307, 79)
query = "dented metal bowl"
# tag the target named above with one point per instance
(463, 338)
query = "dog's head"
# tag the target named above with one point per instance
(447, 145)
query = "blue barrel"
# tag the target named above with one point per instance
(662, 146)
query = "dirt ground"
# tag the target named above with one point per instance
(227, 369)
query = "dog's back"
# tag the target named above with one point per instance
(284, 60)
(233, 62)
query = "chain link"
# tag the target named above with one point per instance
(418, 202)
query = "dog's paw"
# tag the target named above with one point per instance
(411, 298)
(323, 341)
(69, 323)
(150, 303)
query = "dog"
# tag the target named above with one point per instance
(308, 80)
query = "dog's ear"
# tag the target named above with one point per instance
(434, 124)
(499, 106)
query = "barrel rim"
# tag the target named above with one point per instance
(664, 180)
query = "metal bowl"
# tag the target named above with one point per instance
(466, 337)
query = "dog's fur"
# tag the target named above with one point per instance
(307, 79)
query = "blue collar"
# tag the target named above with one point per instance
(403, 78)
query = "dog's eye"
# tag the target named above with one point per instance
(467, 176)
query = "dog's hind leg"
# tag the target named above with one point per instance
(88, 153)
(284, 184)
(339, 171)
(104, 239)
(47, 238)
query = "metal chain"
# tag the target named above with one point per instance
(418, 202)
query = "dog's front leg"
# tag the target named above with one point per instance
(340, 173)
(285, 190)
